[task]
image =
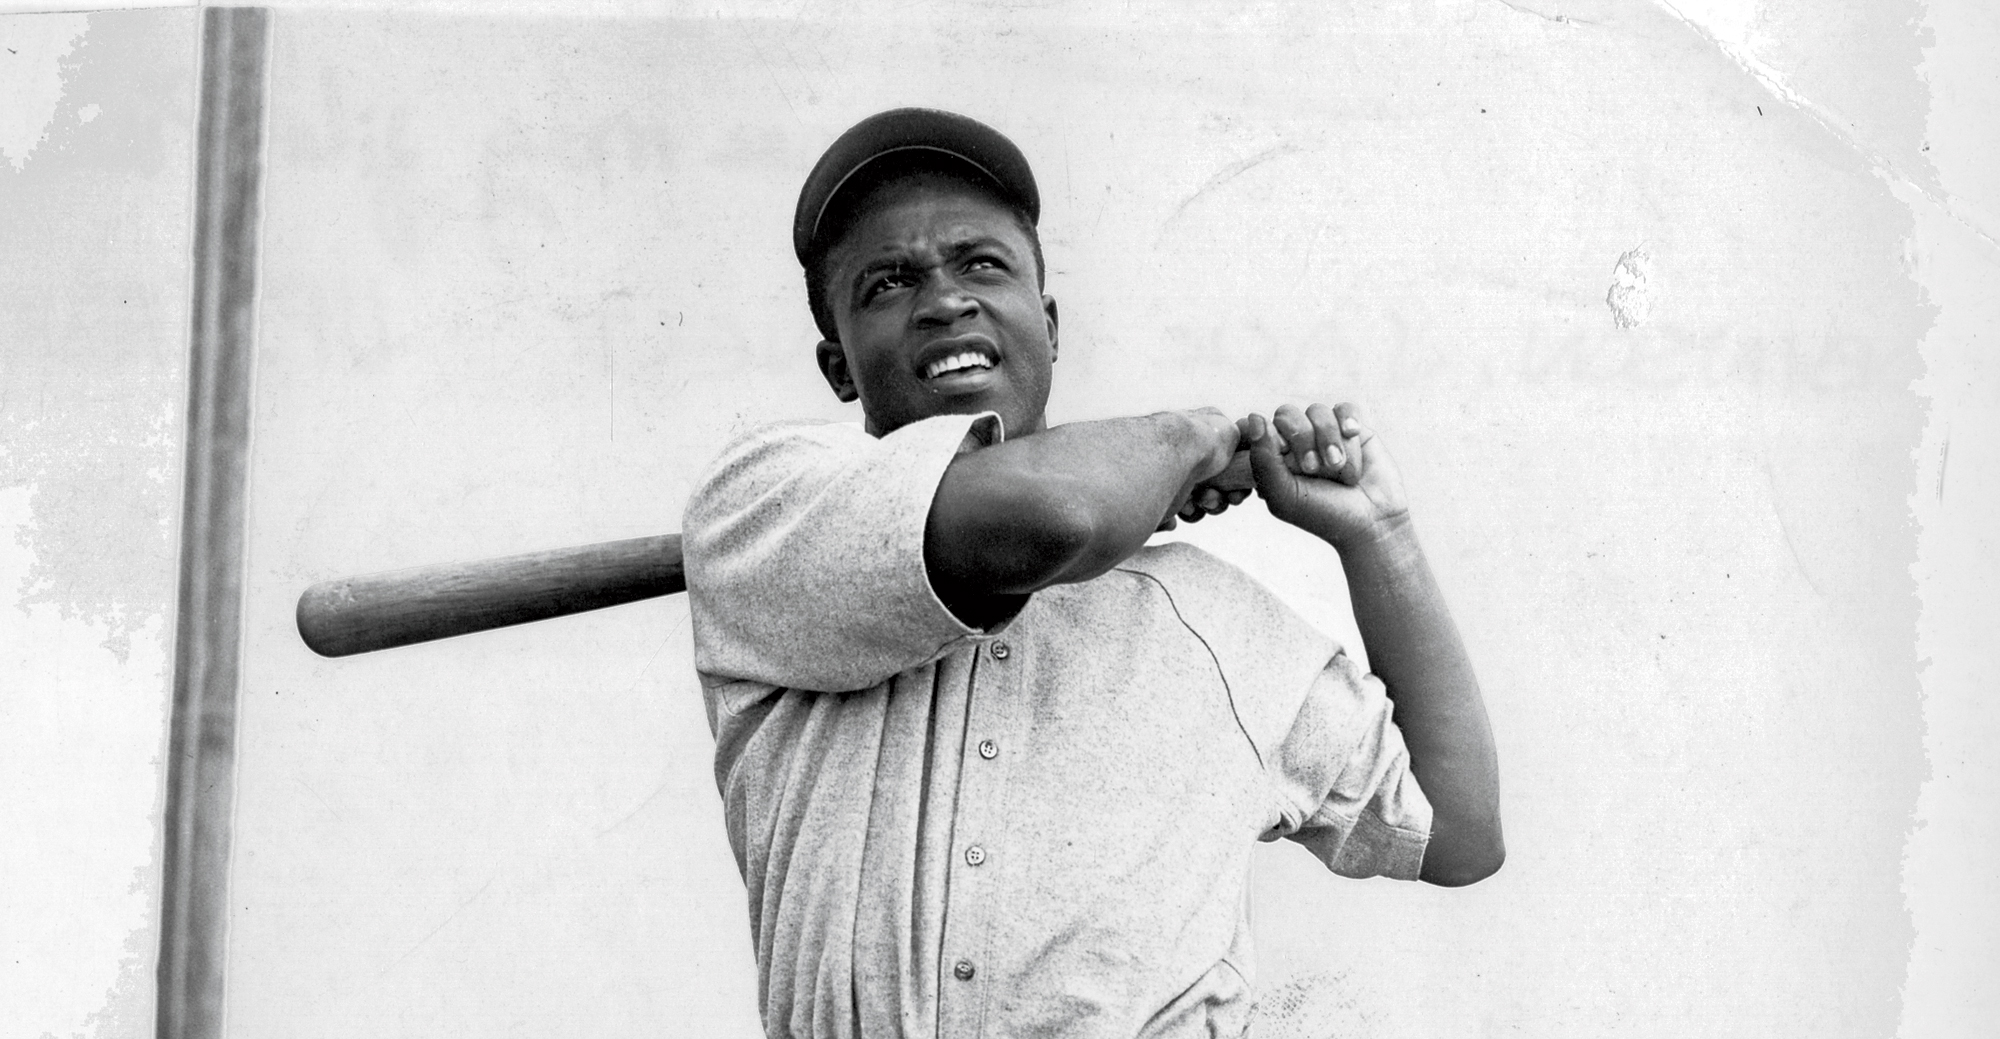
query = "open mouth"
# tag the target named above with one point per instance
(964, 360)
(964, 356)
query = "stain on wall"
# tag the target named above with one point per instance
(89, 407)
(31, 79)
(96, 121)
(1631, 295)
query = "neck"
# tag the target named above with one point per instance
(1034, 425)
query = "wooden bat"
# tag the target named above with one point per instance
(401, 607)
(382, 611)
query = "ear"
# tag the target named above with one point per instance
(1049, 314)
(833, 365)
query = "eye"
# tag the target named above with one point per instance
(884, 282)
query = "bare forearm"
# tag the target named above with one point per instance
(1415, 649)
(1061, 505)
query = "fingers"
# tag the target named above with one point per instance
(1313, 440)
(1267, 462)
(1327, 440)
(1234, 484)
(1296, 435)
(1207, 501)
(1355, 435)
(1248, 429)
(1295, 444)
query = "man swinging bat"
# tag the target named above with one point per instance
(991, 765)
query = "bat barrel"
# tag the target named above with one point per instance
(381, 611)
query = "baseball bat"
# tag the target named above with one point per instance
(401, 607)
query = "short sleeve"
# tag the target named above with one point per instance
(804, 553)
(1344, 783)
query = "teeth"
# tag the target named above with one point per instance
(967, 359)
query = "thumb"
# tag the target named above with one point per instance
(1267, 466)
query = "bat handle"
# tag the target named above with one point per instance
(1236, 476)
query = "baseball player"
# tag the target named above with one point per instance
(991, 764)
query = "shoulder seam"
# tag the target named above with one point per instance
(1227, 689)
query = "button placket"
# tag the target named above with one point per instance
(999, 650)
(988, 749)
(994, 699)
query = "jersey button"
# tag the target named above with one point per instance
(989, 749)
(975, 855)
(962, 970)
(1002, 651)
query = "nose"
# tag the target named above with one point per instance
(944, 301)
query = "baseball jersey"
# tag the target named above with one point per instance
(1039, 829)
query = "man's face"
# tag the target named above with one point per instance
(934, 292)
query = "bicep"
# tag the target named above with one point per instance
(997, 532)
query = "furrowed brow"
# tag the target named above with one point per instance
(959, 247)
(952, 251)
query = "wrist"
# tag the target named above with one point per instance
(1387, 541)
(1207, 438)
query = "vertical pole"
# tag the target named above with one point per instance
(201, 759)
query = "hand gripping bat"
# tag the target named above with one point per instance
(401, 607)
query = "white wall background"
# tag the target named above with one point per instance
(525, 274)
(96, 124)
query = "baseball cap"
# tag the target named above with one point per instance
(913, 131)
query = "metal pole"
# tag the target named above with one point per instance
(201, 760)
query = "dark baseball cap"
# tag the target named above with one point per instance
(911, 131)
